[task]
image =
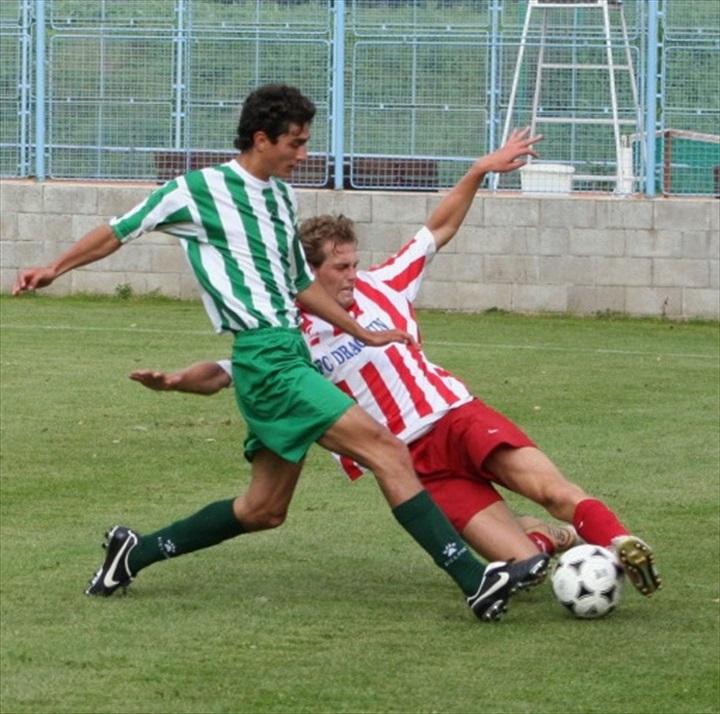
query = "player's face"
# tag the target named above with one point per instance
(280, 158)
(338, 271)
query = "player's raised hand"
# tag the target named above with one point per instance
(512, 154)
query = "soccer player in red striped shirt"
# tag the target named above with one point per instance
(460, 447)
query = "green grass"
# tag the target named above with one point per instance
(338, 611)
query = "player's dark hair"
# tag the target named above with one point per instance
(271, 109)
(315, 232)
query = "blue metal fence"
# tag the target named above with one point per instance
(408, 91)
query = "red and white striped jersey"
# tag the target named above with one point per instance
(395, 384)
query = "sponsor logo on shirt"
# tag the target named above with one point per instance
(348, 349)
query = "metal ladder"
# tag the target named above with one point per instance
(623, 176)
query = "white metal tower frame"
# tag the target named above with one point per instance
(623, 177)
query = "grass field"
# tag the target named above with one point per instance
(338, 611)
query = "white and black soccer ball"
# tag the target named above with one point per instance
(588, 580)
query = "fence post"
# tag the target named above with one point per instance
(651, 98)
(337, 117)
(25, 90)
(179, 80)
(40, 90)
(494, 91)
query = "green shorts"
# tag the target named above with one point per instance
(287, 404)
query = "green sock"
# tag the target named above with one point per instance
(427, 524)
(209, 526)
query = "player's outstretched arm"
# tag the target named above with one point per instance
(451, 211)
(199, 378)
(95, 245)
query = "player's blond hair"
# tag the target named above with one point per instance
(317, 231)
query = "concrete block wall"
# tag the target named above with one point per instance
(578, 254)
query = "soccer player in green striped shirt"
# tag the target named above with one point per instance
(237, 224)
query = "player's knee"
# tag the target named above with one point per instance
(388, 450)
(562, 500)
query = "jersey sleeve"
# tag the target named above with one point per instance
(404, 271)
(162, 208)
(226, 366)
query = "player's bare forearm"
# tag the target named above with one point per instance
(315, 299)
(201, 378)
(447, 218)
(95, 245)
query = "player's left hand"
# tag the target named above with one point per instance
(511, 155)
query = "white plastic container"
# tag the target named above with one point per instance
(546, 178)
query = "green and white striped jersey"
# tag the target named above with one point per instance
(240, 237)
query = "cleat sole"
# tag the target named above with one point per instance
(639, 563)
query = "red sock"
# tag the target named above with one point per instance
(596, 523)
(542, 542)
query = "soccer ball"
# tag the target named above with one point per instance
(588, 580)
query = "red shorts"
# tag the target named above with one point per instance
(449, 459)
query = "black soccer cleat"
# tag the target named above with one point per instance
(501, 580)
(529, 573)
(114, 573)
